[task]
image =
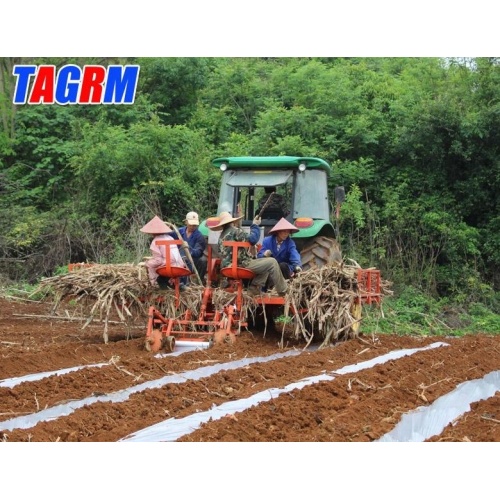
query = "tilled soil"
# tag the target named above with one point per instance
(359, 406)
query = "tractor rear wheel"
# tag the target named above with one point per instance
(319, 252)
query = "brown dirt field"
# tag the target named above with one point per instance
(351, 407)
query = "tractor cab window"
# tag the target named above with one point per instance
(273, 202)
(252, 201)
(251, 190)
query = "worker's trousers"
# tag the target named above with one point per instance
(267, 268)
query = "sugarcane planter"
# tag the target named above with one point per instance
(225, 312)
(325, 303)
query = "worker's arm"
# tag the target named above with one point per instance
(254, 236)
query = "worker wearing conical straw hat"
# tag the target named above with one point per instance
(263, 269)
(159, 230)
(280, 245)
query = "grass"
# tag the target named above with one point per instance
(413, 313)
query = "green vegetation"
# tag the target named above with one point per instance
(414, 141)
(416, 313)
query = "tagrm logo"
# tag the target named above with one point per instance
(72, 85)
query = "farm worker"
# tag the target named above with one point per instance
(276, 208)
(280, 245)
(195, 241)
(159, 230)
(264, 269)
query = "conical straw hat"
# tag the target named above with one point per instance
(155, 226)
(224, 218)
(283, 225)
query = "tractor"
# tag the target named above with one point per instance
(302, 184)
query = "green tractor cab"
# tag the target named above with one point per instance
(301, 186)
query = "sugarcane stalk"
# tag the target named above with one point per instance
(186, 249)
(265, 204)
(253, 250)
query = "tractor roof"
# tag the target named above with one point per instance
(272, 162)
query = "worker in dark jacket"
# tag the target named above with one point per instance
(280, 245)
(264, 269)
(195, 242)
(276, 208)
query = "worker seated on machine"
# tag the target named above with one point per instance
(280, 245)
(159, 229)
(263, 269)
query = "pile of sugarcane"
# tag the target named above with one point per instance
(323, 301)
(105, 291)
